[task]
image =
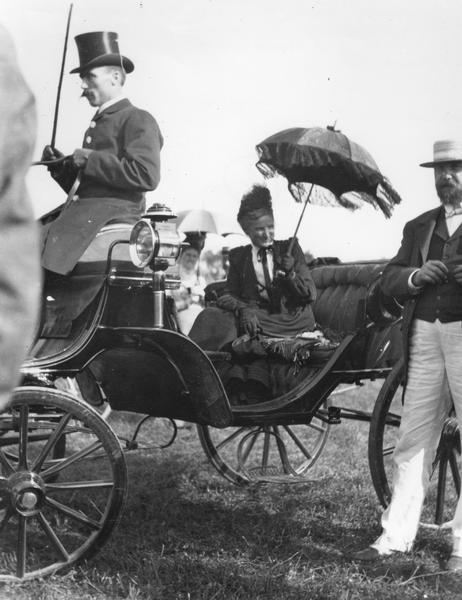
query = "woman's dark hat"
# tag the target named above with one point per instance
(255, 202)
(100, 49)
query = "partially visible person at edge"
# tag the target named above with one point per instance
(269, 289)
(107, 178)
(19, 236)
(189, 298)
(427, 275)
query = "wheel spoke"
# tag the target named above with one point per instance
(231, 437)
(283, 452)
(22, 547)
(74, 514)
(5, 463)
(441, 489)
(23, 434)
(455, 470)
(72, 459)
(388, 451)
(392, 419)
(252, 439)
(298, 442)
(265, 453)
(37, 465)
(53, 537)
(79, 485)
(6, 517)
(319, 428)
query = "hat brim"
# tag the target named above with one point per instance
(106, 60)
(443, 161)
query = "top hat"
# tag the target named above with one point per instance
(445, 151)
(100, 49)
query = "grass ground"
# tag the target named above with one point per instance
(188, 534)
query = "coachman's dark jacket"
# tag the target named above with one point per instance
(425, 238)
(124, 164)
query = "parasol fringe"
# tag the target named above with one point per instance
(331, 172)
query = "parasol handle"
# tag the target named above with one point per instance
(292, 241)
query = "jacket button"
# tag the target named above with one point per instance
(88, 139)
(92, 124)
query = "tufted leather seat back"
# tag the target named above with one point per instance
(342, 294)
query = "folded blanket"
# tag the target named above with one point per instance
(294, 349)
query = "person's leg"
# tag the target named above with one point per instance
(426, 404)
(452, 347)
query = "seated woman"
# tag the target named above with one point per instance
(270, 291)
(189, 298)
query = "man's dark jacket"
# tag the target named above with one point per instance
(124, 164)
(413, 253)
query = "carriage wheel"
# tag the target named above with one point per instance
(445, 482)
(63, 482)
(265, 453)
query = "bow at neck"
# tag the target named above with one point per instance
(452, 212)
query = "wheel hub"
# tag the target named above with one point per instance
(27, 493)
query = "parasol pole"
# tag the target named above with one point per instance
(292, 241)
(58, 94)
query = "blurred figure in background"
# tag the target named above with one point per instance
(189, 298)
(19, 241)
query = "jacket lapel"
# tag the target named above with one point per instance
(425, 232)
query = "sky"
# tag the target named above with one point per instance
(222, 75)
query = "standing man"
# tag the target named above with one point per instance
(107, 178)
(19, 236)
(427, 274)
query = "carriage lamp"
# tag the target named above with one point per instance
(154, 241)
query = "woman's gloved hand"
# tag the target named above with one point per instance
(248, 321)
(287, 263)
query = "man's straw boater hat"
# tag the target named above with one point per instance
(445, 151)
(100, 49)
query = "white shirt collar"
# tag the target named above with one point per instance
(110, 103)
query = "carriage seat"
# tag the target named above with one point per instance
(344, 300)
(343, 290)
(348, 300)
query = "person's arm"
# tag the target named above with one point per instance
(402, 279)
(138, 168)
(297, 281)
(231, 301)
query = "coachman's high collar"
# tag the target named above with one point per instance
(112, 108)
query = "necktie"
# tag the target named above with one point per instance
(264, 263)
(452, 212)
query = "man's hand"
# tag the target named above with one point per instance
(457, 274)
(50, 153)
(80, 157)
(287, 263)
(248, 321)
(432, 272)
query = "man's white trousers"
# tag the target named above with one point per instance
(434, 376)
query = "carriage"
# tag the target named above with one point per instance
(111, 328)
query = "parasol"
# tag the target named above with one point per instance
(196, 220)
(316, 156)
